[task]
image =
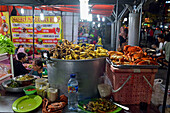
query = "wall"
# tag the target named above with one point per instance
(68, 25)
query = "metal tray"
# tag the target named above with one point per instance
(24, 82)
(9, 89)
(131, 66)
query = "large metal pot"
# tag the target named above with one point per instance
(88, 74)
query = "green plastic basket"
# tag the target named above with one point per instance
(30, 92)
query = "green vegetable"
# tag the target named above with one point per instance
(13, 84)
(6, 45)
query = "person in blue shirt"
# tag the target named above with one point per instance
(38, 68)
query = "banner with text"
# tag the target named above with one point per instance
(46, 33)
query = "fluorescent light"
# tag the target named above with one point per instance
(22, 11)
(90, 18)
(41, 16)
(99, 25)
(103, 19)
(93, 23)
(84, 9)
(98, 19)
(167, 2)
(98, 16)
(55, 19)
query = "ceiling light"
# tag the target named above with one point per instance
(41, 15)
(103, 19)
(125, 19)
(84, 9)
(22, 11)
(99, 25)
(166, 27)
(89, 17)
(55, 19)
(98, 19)
(93, 23)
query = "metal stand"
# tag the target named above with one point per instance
(115, 25)
(166, 88)
(33, 28)
(72, 28)
(12, 66)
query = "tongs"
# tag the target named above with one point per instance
(119, 105)
(124, 107)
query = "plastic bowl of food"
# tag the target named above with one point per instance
(24, 80)
(30, 90)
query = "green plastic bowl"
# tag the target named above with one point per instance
(30, 92)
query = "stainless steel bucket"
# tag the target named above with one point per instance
(88, 73)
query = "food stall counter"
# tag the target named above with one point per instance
(7, 99)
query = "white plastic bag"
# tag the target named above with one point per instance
(158, 93)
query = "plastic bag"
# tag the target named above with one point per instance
(3, 70)
(158, 93)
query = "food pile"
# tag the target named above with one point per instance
(68, 51)
(26, 77)
(56, 107)
(13, 84)
(133, 55)
(100, 106)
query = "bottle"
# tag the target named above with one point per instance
(72, 93)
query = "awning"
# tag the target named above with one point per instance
(105, 10)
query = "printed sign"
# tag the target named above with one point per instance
(46, 33)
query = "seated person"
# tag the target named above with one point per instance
(99, 43)
(21, 50)
(166, 48)
(19, 69)
(19, 46)
(37, 68)
(162, 42)
(30, 52)
(164, 58)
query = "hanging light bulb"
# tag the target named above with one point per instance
(93, 23)
(84, 9)
(98, 19)
(99, 25)
(41, 15)
(98, 16)
(90, 18)
(22, 11)
(103, 19)
(55, 19)
(125, 19)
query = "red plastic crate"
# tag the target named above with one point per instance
(136, 89)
